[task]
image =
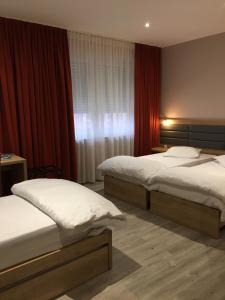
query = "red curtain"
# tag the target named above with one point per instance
(36, 110)
(147, 98)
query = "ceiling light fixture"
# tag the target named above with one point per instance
(147, 25)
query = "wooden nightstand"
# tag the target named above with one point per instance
(159, 149)
(12, 171)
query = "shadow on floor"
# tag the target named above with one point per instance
(169, 225)
(122, 267)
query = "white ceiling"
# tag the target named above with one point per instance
(172, 21)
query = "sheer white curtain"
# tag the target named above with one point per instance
(103, 93)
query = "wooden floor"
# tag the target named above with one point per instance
(155, 259)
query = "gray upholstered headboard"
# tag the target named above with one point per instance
(203, 136)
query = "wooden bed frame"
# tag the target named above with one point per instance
(126, 191)
(52, 274)
(196, 216)
(191, 214)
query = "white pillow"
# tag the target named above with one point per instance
(69, 204)
(183, 151)
(221, 160)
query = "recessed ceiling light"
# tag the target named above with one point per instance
(147, 25)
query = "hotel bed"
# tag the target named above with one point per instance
(203, 212)
(41, 258)
(192, 194)
(129, 178)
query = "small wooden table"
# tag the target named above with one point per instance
(12, 171)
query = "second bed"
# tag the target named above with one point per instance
(179, 189)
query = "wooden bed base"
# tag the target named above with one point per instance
(126, 191)
(196, 216)
(191, 214)
(50, 275)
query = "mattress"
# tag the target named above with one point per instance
(196, 196)
(26, 232)
(167, 162)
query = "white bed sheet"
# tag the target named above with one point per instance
(170, 162)
(212, 167)
(167, 162)
(26, 232)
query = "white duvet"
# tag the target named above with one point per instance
(208, 178)
(139, 169)
(69, 204)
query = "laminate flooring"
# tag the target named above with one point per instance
(156, 259)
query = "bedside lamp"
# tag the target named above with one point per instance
(167, 122)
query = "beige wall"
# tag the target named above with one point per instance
(193, 79)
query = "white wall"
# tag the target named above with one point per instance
(193, 79)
